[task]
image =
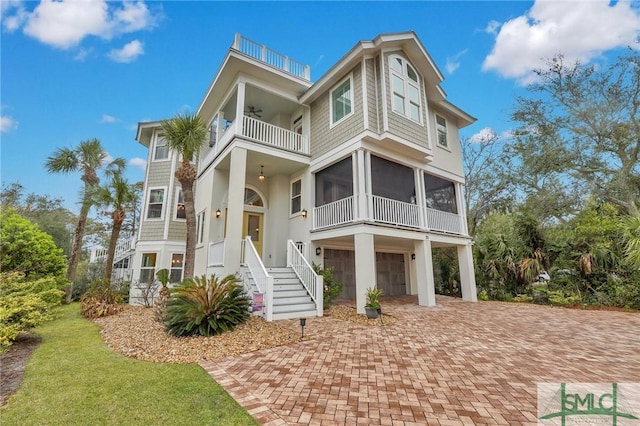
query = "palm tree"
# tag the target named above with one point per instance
(87, 158)
(118, 195)
(186, 134)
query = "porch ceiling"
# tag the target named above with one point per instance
(273, 165)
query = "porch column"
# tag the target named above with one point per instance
(365, 268)
(240, 110)
(360, 189)
(462, 207)
(424, 273)
(467, 273)
(235, 207)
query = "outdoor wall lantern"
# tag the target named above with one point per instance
(218, 213)
(304, 213)
(413, 256)
(318, 251)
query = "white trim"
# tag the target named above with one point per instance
(446, 131)
(406, 84)
(156, 136)
(383, 86)
(342, 119)
(365, 103)
(291, 182)
(164, 204)
(200, 222)
(176, 198)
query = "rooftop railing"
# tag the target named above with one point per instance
(271, 57)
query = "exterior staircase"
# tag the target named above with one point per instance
(290, 298)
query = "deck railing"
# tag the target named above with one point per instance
(334, 213)
(261, 277)
(273, 135)
(444, 221)
(216, 254)
(271, 57)
(311, 281)
(125, 245)
(396, 212)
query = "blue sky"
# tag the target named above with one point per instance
(75, 70)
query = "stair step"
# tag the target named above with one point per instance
(281, 301)
(290, 293)
(296, 307)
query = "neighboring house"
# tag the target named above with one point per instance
(360, 171)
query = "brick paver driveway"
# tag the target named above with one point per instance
(453, 364)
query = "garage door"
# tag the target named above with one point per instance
(390, 274)
(344, 270)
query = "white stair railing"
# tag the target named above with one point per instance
(311, 281)
(263, 280)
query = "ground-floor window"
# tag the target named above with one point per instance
(177, 266)
(148, 267)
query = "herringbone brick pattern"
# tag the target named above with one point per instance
(457, 363)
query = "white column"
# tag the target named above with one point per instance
(235, 208)
(424, 272)
(361, 185)
(467, 274)
(462, 207)
(365, 268)
(240, 108)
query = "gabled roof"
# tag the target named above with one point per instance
(417, 54)
(145, 131)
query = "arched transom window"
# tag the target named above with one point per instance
(405, 88)
(252, 198)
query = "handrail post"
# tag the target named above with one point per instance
(269, 298)
(319, 295)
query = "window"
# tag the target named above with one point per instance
(296, 196)
(180, 211)
(148, 268)
(200, 227)
(405, 88)
(341, 106)
(441, 128)
(155, 203)
(161, 151)
(441, 194)
(392, 180)
(252, 198)
(177, 265)
(334, 183)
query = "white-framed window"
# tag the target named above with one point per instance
(200, 227)
(180, 212)
(405, 89)
(296, 196)
(441, 128)
(177, 267)
(342, 100)
(155, 203)
(160, 150)
(148, 267)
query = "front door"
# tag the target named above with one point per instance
(252, 227)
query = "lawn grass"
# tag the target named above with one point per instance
(73, 378)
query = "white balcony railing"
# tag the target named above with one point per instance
(273, 135)
(311, 281)
(334, 213)
(396, 212)
(125, 245)
(386, 210)
(271, 57)
(444, 221)
(216, 254)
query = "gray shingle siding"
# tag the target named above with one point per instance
(372, 96)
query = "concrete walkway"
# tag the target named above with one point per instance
(458, 363)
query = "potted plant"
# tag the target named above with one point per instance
(372, 307)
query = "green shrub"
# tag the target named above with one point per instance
(102, 299)
(25, 304)
(332, 288)
(483, 295)
(204, 307)
(523, 298)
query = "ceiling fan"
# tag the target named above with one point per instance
(253, 111)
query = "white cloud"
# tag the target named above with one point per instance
(128, 53)
(577, 29)
(453, 62)
(492, 27)
(65, 23)
(7, 124)
(106, 118)
(13, 14)
(141, 163)
(82, 54)
(488, 134)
